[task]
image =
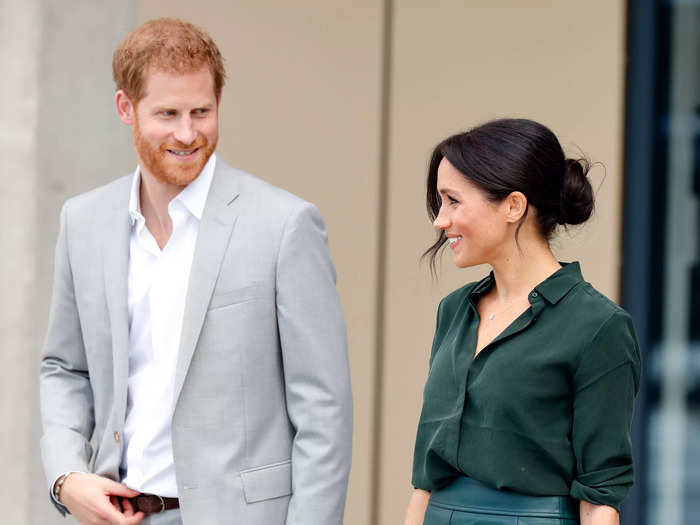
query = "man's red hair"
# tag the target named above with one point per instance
(170, 45)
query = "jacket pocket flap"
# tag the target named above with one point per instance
(267, 482)
(238, 295)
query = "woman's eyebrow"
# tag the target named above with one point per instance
(446, 190)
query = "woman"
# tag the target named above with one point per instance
(528, 403)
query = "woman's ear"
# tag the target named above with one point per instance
(515, 206)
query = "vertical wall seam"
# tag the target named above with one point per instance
(382, 216)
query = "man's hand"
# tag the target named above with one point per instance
(94, 500)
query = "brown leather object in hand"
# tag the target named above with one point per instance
(153, 504)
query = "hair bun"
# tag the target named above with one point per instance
(576, 200)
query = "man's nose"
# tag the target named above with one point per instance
(185, 132)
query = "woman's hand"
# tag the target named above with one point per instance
(416, 507)
(592, 514)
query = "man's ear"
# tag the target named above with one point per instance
(125, 109)
(515, 206)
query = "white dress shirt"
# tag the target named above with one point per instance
(158, 281)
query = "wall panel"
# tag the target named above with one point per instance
(301, 110)
(456, 64)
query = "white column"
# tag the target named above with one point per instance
(19, 56)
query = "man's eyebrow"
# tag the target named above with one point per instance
(206, 105)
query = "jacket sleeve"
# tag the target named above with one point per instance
(66, 397)
(316, 371)
(605, 384)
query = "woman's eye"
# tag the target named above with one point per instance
(451, 200)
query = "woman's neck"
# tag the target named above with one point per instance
(518, 272)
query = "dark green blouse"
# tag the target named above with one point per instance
(544, 409)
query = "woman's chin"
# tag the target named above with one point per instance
(461, 262)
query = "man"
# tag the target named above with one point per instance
(195, 365)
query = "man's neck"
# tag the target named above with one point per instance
(154, 197)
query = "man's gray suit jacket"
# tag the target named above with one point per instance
(262, 424)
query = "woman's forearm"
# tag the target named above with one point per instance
(416, 507)
(591, 514)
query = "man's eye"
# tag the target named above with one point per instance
(167, 113)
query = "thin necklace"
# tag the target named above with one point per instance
(492, 316)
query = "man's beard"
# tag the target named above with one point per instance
(162, 166)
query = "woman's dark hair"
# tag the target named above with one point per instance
(507, 155)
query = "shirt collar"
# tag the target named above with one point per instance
(557, 285)
(482, 286)
(553, 288)
(193, 196)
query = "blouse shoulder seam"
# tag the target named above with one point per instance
(602, 375)
(616, 311)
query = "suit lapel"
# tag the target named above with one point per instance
(215, 229)
(115, 256)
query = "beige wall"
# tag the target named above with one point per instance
(456, 64)
(311, 106)
(301, 110)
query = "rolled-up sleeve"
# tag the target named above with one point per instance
(605, 384)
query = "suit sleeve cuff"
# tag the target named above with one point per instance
(60, 506)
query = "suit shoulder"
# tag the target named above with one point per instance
(254, 186)
(95, 202)
(274, 206)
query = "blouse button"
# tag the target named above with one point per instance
(534, 294)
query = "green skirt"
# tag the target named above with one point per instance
(467, 502)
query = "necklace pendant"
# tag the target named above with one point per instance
(491, 317)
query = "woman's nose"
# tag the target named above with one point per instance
(441, 222)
